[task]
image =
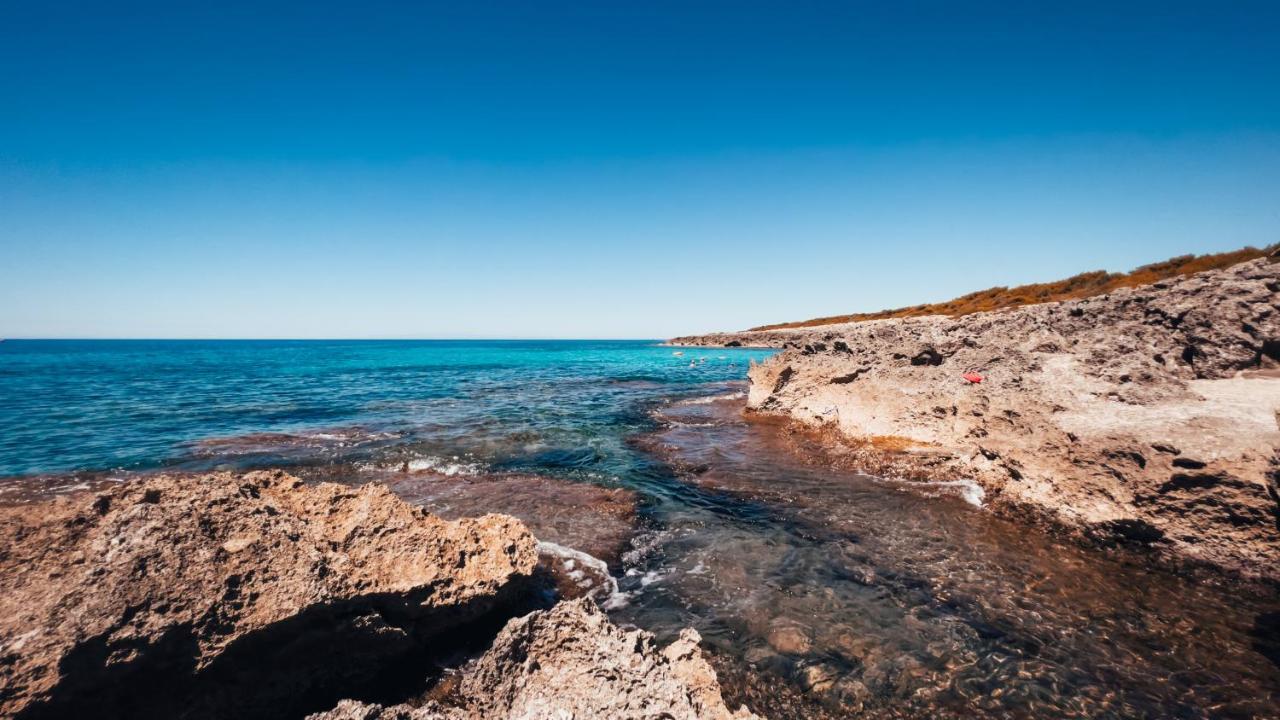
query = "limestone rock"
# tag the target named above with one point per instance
(1148, 416)
(177, 592)
(570, 662)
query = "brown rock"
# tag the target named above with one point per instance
(818, 678)
(789, 638)
(181, 593)
(571, 662)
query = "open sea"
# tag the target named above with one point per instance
(819, 593)
(143, 404)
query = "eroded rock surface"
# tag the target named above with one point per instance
(257, 595)
(242, 594)
(571, 662)
(1150, 415)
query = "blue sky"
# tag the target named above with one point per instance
(608, 169)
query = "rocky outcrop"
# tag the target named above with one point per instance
(257, 595)
(744, 339)
(186, 592)
(571, 662)
(1147, 416)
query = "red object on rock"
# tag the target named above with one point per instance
(972, 377)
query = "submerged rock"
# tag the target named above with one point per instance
(592, 519)
(789, 638)
(1149, 416)
(571, 662)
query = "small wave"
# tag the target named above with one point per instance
(444, 466)
(283, 442)
(649, 577)
(967, 490)
(613, 598)
(970, 491)
(708, 399)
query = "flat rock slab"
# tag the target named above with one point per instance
(595, 520)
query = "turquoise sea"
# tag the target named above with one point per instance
(136, 404)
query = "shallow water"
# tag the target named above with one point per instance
(906, 600)
(819, 593)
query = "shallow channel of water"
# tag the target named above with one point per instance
(906, 600)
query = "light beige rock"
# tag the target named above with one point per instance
(356, 710)
(1150, 415)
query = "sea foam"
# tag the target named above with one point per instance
(613, 598)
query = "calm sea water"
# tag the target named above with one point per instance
(119, 405)
(818, 593)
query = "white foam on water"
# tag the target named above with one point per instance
(968, 490)
(444, 466)
(652, 577)
(570, 557)
(973, 493)
(643, 545)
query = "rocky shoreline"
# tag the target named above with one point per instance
(1149, 416)
(258, 595)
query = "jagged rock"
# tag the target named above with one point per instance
(570, 662)
(258, 596)
(224, 595)
(1147, 416)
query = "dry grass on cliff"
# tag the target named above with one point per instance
(1083, 285)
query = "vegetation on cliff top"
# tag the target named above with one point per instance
(1075, 287)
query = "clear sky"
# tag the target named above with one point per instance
(608, 169)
